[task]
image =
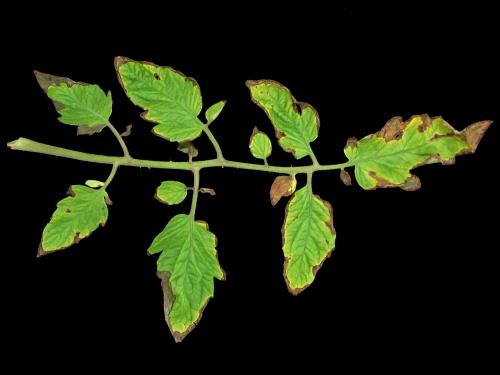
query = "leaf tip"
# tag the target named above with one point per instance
(250, 83)
(475, 132)
(293, 291)
(43, 80)
(41, 252)
(120, 60)
(412, 184)
(46, 80)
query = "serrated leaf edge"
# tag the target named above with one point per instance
(41, 252)
(120, 60)
(296, 106)
(329, 224)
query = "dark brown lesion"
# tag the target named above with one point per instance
(380, 181)
(169, 300)
(426, 123)
(316, 268)
(46, 80)
(345, 177)
(42, 252)
(474, 133)
(393, 129)
(207, 191)
(352, 142)
(89, 130)
(412, 183)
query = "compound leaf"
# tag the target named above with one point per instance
(260, 145)
(170, 99)
(79, 104)
(308, 238)
(187, 266)
(171, 192)
(75, 217)
(296, 123)
(385, 159)
(214, 111)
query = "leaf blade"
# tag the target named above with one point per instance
(75, 218)
(78, 104)
(260, 145)
(189, 260)
(214, 111)
(170, 99)
(308, 238)
(171, 192)
(296, 123)
(385, 159)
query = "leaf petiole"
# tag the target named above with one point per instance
(212, 139)
(111, 176)
(196, 187)
(119, 138)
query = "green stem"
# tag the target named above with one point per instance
(24, 144)
(309, 181)
(196, 188)
(216, 145)
(119, 139)
(313, 156)
(111, 175)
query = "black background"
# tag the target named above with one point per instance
(414, 275)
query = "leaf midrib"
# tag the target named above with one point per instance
(382, 156)
(301, 132)
(308, 229)
(105, 120)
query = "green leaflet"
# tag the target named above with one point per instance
(187, 266)
(170, 99)
(260, 145)
(171, 192)
(214, 111)
(308, 238)
(78, 104)
(76, 217)
(296, 123)
(384, 159)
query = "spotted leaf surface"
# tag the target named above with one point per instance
(296, 123)
(77, 103)
(187, 266)
(75, 218)
(308, 238)
(385, 159)
(170, 99)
